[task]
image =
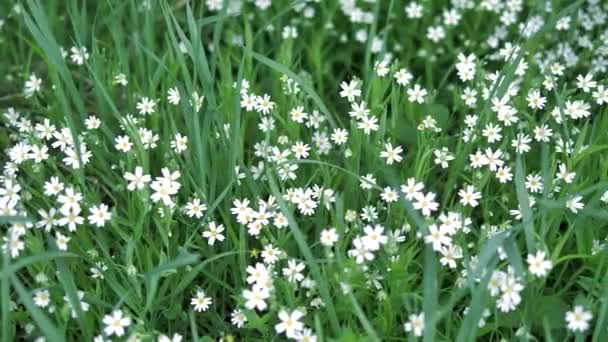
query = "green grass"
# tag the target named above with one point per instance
(154, 255)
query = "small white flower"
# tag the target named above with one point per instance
(214, 233)
(578, 319)
(116, 323)
(99, 215)
(200, 301)
(538, 265)
(290, 323)
(137, 180)
(146, 106)
(415, 324)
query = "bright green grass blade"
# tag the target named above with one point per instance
(524, 205)
(307, 253)
(367, 326)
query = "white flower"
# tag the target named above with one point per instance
(374, 237)
(415, 324)
(92, 122)
(99, 215)
(259, 274)
(538, 265)
(438, 236)
(469, 196)
(368, 124)
(293, 271)
(416, 94)
(200, 301)
(389, 195)
(42, 298)
(179, 143)
(137, 180)
(123, 143)
(329, 237)
(563, 174)
(585, 83)
(173, 96)
(504, 174)
(164, 338)
(214, 233)
(426, 203)
(238, 318)
(391, 154)
(116, 323)
(146, 106)
(411, 189)
(575, 204)
(61, 241)
(32, 86)
(578, 319)
(195, 208)
(350, 90)
(79, 55)
(256, 298)
(290, 323)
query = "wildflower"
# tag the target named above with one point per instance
(389, 195)
(360, 252)
(416, 94)
(256, 298)
(534, 183)
(173, 96)
(374, 237)
(238, 318)
(438, 237)
(214, 233)
(411, 189)
(290, 323)
(492, 133)
(195, 208)
(504, 174)
(415, 324)
(200, 301)
(443, 157)
(403, 77)
(585, 82)
(79, 55)
(61, 241)
(123, 143)
(259, 274)
(179, 143)
(263, 104)
(538, 265)
(368, 124)
(92, 122)
(391, 154)
(329, 237)
(350, 90)
(298, 115)
(578, 319)
(146, 106)
(32, 86)
(293, 271)
(99, 215)
(469, 196)
(42, 298)
(137, 180)
(426, 203)
(535, 100)
(116, 323)
(575, 204)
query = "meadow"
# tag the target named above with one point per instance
(308, 170)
